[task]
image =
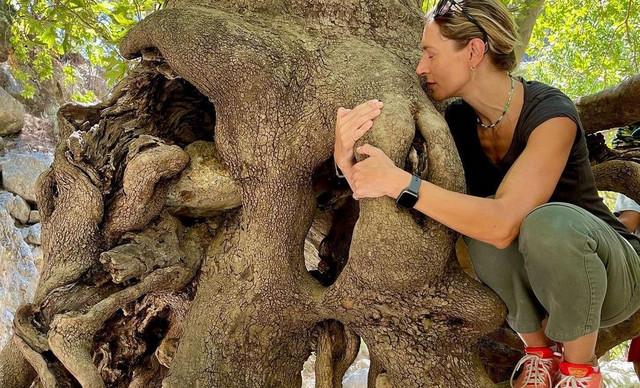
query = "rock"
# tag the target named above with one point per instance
(11, 114)
(38, 257)
(8, 82)
(34, 234)
(18, 274)
(24, 232)
(20, 171)
(20, 209)
(205, 187)
(34, 217)
(1, 144)
(16, 206)
(5, 199)
(36, 136)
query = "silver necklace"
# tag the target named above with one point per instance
(506, 108)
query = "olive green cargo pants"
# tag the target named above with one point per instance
(567, 265)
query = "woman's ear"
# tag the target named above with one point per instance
(476, 51)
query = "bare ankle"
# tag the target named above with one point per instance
(593, 361)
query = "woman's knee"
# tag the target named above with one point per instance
(550, 227)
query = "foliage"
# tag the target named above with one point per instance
(579, 46)
(46, 29)
(585, 46)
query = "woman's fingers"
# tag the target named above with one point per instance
(362, 113)
(352, 124)
(343, 112)
(358, 132)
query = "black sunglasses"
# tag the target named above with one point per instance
(445, 6)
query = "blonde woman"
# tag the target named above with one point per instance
(538, 233)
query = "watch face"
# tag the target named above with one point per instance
(407, 199)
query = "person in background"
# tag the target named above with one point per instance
(628, 212)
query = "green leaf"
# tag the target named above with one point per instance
(48, 37)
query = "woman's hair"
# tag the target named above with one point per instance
(493, 16)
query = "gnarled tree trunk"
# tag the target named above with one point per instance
(176, 212)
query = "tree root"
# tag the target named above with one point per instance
(15, 370)
(337, 348)
(71, 334)
(76, 199)
(158, 246)
(47, 379)
(375, 369)
(25, 330)
(141, 198)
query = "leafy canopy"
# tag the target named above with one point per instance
(580, 46)
(43, 29)
(585, 46)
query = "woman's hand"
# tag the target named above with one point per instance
(377, 175)
(351, 124)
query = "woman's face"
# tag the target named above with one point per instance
(444, 67)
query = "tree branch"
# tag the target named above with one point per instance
(614, 107)
(526, 19)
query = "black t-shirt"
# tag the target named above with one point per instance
(541, 103)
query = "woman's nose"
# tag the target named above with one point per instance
(422, 68)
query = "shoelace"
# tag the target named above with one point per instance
(538, 372)
(573, 382)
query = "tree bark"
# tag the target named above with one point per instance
(526, 15)
(138, 293)
(614, 107)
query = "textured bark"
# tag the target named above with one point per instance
(610, 337)
(615, 170)
(144, 286)
(330, 67)
(614, 107)
(6, 15)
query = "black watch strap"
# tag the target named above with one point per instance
(409, 196)
(414, 186)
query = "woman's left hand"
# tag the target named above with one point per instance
(377, 175)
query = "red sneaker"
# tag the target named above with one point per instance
(539, 366)
(579, 376)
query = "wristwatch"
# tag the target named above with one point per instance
(409, 196)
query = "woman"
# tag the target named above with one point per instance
(538, 233)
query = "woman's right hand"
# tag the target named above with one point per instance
(351, 124)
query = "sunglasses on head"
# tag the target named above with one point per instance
(445, 6)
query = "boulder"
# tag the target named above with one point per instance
(20, 209)
(20, 171)
(16, 206)
(18, 272)
(11, 114)
(205, 188)
(34, 217)
(34, 234)
(8, 82)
